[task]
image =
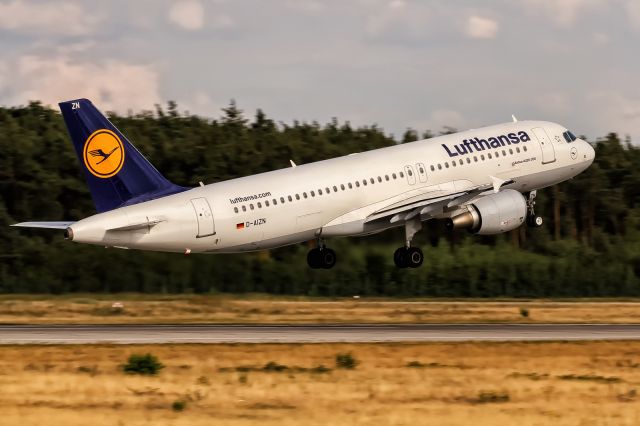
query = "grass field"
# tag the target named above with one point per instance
(256, 309)
(591, 383)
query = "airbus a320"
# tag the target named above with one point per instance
(484, 180)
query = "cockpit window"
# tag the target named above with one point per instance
(569, 137)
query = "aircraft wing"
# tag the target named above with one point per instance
(45, 225)
(427, 205)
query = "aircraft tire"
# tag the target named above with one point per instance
(534, 221)
(313, 258)
(327, 258)
(415, 257)
(400, 257)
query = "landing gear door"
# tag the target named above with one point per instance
(548, 151)
(204, 216)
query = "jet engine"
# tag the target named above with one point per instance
(492, 214)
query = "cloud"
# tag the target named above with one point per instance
(113, 85)
(563, 13)
(616, 112)
(398, 20)
(633, 13)
(59, 18)
(478, 27)
(187, 14)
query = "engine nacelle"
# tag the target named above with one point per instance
(493, 214)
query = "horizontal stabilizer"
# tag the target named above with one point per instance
(44, 225)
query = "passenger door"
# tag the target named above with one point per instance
(422, 172)
(204, 216)
(410, 174)
(548, 151)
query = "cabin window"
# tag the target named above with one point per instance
(379, 179)
(421, 170)
(342, 186)
(350, 186)
(357, 184)
(475, 158)
(453, 163)
(372, 180)
(235, 210)
(393, 175)
(313, 194)
(433, 169)
(518, 150)
(297, 196)
(386, 177)
(401, 174)
(289, 197)
(524, 148)
(510, 151)
(251, 206)
(497, 154)
(282, 200)
(328, 190)
(468, 160)
(319, 192)
(304, 194)
(244, 208)
(489, 155)
(266, 203)
(259, 205)
(335, 188)
(439, 166)
(409, 172)
(364, 182)
(275, 202)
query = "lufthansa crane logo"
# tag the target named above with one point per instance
(103, 153)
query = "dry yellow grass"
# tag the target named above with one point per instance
(265, 310)
(594, 383)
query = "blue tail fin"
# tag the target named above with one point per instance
(117, 174)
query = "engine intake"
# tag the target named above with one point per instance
(493, 214)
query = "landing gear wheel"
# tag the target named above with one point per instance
(321, 258)
(414, 257)
(400, 257)
(534, 221)
(410, 257)
(313, 258)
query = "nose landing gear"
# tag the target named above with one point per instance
(533, 221)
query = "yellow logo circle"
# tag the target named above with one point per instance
(103, 153)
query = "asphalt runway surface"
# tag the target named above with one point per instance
(153, 334)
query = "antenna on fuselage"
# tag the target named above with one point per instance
(292, 163)
(513, 117)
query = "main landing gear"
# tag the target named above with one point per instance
(407, 256)
(533, 221)
(321, 257)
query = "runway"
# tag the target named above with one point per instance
(155, 334)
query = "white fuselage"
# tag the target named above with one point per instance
(338, 197)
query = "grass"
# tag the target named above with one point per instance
(449, 384)
(263, 309)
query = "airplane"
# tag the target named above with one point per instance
(484, 180)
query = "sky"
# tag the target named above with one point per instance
(395, 63)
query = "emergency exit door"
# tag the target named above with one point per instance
(204, 216)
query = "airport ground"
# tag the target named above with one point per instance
(264, 309)
(560, 383)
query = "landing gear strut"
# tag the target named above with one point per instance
(533, 221)
(407, 256)
(321, 257)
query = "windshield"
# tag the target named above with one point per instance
(569, 137)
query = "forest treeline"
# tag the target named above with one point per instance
(589, 245)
